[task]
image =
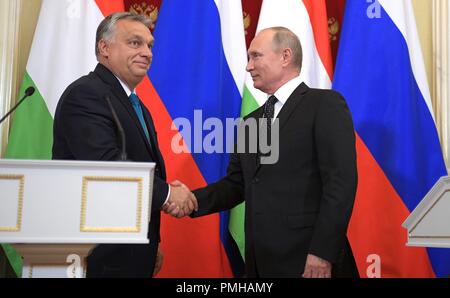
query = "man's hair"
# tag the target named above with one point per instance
(285, 38)
(107, 27)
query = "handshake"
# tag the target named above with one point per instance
(181, 201)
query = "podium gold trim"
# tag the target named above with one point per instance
(21, 179)
(85, 228)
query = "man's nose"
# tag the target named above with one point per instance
(249, 66)
(147, 52)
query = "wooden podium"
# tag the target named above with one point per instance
(55, 212)
(429, 223)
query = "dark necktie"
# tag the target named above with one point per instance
(137, 107)
(269, 107)
(268, 113)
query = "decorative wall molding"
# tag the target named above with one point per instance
(9, 48)
(440, 77)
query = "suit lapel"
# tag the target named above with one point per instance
(254, 156)
(292, 102)
(154, 139)
(107, 76)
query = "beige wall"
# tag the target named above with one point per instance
(423, 12)
(436, 63)
(16, 43)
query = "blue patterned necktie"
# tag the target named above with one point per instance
(137, 107)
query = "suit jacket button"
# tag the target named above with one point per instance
(255, 180)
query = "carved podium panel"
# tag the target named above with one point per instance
(56, 211)
(429, 224)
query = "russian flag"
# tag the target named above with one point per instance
(381, 74)
(197, 74)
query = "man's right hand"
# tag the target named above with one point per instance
(316, 267)
(181, 200)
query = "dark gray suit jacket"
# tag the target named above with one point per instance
(84, 129)
(301, 204)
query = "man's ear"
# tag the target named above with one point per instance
(103, 48)
(287, 56)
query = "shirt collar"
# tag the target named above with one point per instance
(283, 93)
(125, 87)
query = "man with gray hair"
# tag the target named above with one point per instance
(85, 129)
(297, 209)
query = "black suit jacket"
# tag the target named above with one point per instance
(301, 204)
(84, 129)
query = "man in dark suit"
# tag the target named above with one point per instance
(84, 129)
(298, 208)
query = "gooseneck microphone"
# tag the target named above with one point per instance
(123, 153)
(28, 92)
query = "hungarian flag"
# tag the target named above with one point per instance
(308, 20)
(380, 72)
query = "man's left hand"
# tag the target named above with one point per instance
(316, 267)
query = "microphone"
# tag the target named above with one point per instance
(123, 153)
(28, 92)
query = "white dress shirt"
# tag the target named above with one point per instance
(283, 93)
